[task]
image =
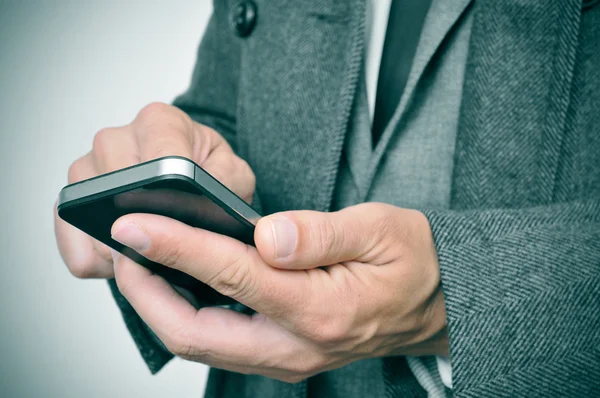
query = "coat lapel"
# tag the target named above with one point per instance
(516, 95)
(299, 76)
(441, 18)
(298, 80)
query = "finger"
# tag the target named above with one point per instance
(226, 167)
(98, 263)
(114, 149)
(163, 130)
(309, 239)
(229, 266)
(82, 169)
(80, 253)
(85, 257)
(167, 315)
(214, 336)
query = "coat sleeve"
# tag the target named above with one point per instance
(522, 291)
(211, 100)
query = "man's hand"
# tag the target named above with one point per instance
(328, 288)
(158, 130)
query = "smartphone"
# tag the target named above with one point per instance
(171, 186)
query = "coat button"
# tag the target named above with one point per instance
(243, 18)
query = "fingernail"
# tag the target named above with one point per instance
(285, 236)
(132, 236)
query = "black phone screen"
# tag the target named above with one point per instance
(179, 199)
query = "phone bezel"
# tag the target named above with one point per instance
(175, 167)
(143, 174)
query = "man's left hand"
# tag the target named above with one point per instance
(328, 289)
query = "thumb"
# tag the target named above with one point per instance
(309, 239)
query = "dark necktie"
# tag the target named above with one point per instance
(401, 39)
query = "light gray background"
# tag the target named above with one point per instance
(67, 69)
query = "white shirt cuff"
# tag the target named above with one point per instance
(445, 369)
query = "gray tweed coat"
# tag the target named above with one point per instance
(520, 248)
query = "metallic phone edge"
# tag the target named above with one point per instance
(220, 192)
(131, 175)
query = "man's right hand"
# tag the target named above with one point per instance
(158, 130)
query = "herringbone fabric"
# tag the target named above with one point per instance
(519, 250)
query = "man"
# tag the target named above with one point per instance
(492, 132)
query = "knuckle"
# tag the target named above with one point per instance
(329, 331)
(247, 172)
(183, 341)
(165, 129)
(160, 151)
(168, 118)
(384, 225)
(124, 287)
(381, 215)
(149, 113)
(82, 268)
(123, 284)
(149, 120)
(210, 137)
(234, 280)
(102, 141)
(75, 171)
(417, 322)
(326, 238)
(210, 133)
(169, 253)
(293, 379)
(180, 344)
(327, 335)
(300, 370)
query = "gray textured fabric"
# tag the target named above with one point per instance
(520, 254)
(419, 150)
(519, 249)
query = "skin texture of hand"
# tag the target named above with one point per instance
(158, 130)
(328, 288)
